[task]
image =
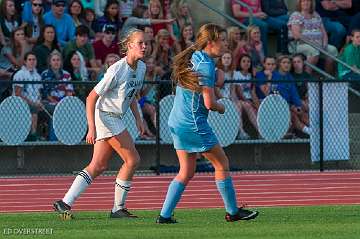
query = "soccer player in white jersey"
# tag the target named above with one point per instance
(105, 106)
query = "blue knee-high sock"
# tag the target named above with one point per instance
(173, 196)
(226, 189)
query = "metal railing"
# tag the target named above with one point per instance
(251, 14)
(329, 55)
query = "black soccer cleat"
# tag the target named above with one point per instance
(164, 220)
(63, 209)
(122, 213)
(242, 214)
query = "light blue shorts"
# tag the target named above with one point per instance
(192, 141)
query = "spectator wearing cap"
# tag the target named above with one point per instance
(63, 23)
(82, 45)
(106, 45)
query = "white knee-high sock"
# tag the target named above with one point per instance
(81, 182)
(121, 191)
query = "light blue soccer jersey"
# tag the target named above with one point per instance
(188, 118)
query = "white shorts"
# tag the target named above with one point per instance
(107, 124)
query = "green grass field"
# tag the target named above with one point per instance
(273, 223)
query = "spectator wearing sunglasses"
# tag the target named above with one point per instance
(63, 23)
(33, 20)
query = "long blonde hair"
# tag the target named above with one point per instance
(182, 70)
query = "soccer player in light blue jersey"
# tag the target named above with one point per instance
(106, 104)
(194, 74)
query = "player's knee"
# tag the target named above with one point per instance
(132, 163)
(185, 177)
(98, 169)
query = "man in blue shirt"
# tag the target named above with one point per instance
(63, 23)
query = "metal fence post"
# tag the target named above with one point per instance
(157, 157)
(321, 126)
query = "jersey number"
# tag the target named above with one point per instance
(130, 94)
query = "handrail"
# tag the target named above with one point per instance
(231, 19)
(320, 71)
(357, 93)
(251, 14)
(329, 55)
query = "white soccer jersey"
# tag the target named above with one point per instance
(119, 86)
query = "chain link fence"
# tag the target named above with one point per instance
(318, 129)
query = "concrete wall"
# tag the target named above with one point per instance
(67, 159)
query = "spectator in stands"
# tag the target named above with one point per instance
(335, 20)
(17, 48)
(110, 59)
(180, 10)
(149, 41)
(138, 19)
(76, 11)
(186, 39)
(100, 6)
(244, 94)
(75, 65)
(236, 42)
(351, 56)
(306, 23)
(224, 72)
(163, 52)
(55, 93)
(302, 77)
(156, 12)
(30, 93)
(299, 117)
(34, 22)
(242, 14)
(6, 71)
(127, 7)
(63, 22)
(27, 8)
(277, 18)
(254, 47)
(9, 18)
(52, 94)
(89, 21)
(106, 45)
(47, 42)
(264, 78)
(353, 11)
(81, 44)
(147, 99)
(111, 17)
